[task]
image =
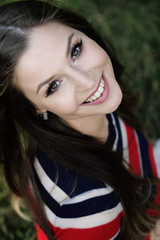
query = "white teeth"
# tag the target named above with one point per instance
(98, 93)
(93, 98)
(100, 89)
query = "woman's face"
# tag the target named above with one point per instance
(65, 72)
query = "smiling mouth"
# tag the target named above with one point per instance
(97, 94)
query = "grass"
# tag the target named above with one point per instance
(12, 227)
(133, 28)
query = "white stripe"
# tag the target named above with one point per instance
(90, 221)
(116, 130)
(156, 151)
(124, 141)
(58, 194)
(89, 194)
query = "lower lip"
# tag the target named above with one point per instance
(104, 95)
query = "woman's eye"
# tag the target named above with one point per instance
(76, 50)
(53, 87)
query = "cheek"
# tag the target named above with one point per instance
(63, 107)
(96, 55)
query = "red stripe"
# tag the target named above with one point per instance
(40, 233)
(106, 231)
(154, 170)
(134, 160)
(148, 238)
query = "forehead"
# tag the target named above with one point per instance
(46, 38)
(47, 44)
(48, 33)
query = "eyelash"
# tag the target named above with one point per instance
(50, 89)
(77, 45)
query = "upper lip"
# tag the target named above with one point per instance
(96, 89)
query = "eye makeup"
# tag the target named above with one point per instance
(76, 49)
(53, 87)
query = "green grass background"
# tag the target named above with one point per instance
(133, 28)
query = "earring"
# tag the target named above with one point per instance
(45, 116)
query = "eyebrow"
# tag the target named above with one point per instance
(69, 44)
(44, 83)
(67, 53)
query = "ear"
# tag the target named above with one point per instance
(40, 111)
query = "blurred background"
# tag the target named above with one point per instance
(133, 28)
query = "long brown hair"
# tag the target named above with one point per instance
(21, 129)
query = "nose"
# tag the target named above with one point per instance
(84, 80)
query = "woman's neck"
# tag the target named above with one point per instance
(95, 126)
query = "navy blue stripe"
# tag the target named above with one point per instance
(85, 184)
(48, 166)
(117, 237)
(144, 152)
(112, 132)
(146, 164)
(74, 210)
(67, 178)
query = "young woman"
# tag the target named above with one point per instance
(70, 145)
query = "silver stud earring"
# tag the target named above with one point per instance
(45, 116)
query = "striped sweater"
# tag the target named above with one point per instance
(90, 209)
